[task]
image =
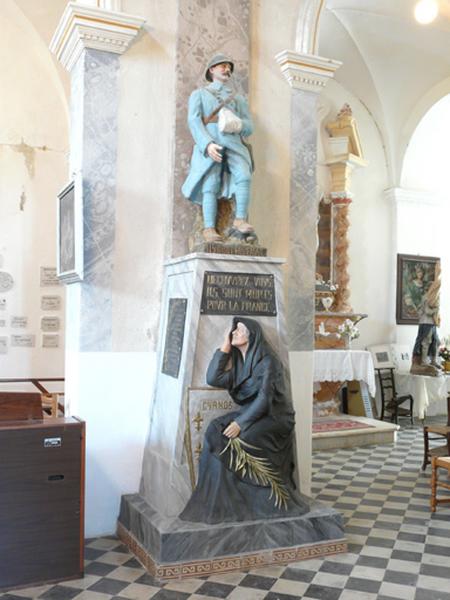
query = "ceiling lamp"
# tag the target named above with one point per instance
(426, 11)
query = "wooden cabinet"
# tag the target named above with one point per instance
(41, 501)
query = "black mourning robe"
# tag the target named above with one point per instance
(266, 418)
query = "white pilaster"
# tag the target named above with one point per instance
(307, 74)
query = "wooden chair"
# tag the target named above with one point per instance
(50, 404)
(390, 401)
(436, 463)
(436, 433)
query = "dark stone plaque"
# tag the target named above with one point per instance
(174, 337)
(243, 294)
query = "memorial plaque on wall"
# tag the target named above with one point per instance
(48, 277)
(246, 294)
(50, 323)
(19, 322)
(173, 346)
(50, 340)
(25, 340)
(50, 302)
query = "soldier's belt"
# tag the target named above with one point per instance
(212, 119)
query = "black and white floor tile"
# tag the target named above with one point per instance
(397, 548)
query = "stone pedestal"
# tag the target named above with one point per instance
(202, 294)
(174, 549)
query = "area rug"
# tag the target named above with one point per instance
(338, 425)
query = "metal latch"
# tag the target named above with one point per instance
(54, 442)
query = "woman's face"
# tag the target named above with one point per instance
(419, 273)
(240, 335)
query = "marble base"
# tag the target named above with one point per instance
(170, 548)
(377, 432)
(230, 248)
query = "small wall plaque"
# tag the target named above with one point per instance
(48, 277)
(173, 346)
(50, 323)
(50, 302)
(19, 322)
(23, 341)
(50, 340)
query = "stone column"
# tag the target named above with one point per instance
(89, 41)
(307, 74)
(341, 224)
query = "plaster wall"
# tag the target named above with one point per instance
(111, 393)
(273, 30)
(144, 176)
(33, 168)
(113, 390)
(422, 222)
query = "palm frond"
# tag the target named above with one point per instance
(258, 469)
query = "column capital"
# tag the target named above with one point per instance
(341, 198)
(83, 26)
(307, 72)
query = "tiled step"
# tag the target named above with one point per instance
(377, 432)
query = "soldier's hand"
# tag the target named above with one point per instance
(214, 151)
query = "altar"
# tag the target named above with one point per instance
(331, 427)
(332, 369)
(429, 393)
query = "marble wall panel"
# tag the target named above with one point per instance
(98, 103)
(204, 29)
(303, 220)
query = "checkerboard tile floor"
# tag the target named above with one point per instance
(397, 548)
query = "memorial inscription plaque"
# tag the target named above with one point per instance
(243, 294)
(173, 345)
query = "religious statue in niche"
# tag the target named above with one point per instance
(246, 465)
(425, 352)
(221, 163)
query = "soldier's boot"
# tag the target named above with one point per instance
(210, 235)
(436, 363)
(416, 365)
(243, 227)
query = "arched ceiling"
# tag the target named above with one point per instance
(41, 19)
(390, 63)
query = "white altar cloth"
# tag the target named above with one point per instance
(424, 390)
(344, 365)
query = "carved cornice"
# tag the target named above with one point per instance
(407, 196)
(306, 71)
(82, 26)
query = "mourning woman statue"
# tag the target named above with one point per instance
(246, 465)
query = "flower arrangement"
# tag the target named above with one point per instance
(325, 286)
(444, 350)
(348, 329)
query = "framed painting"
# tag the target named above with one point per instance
(70, 232)
(414, 276)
